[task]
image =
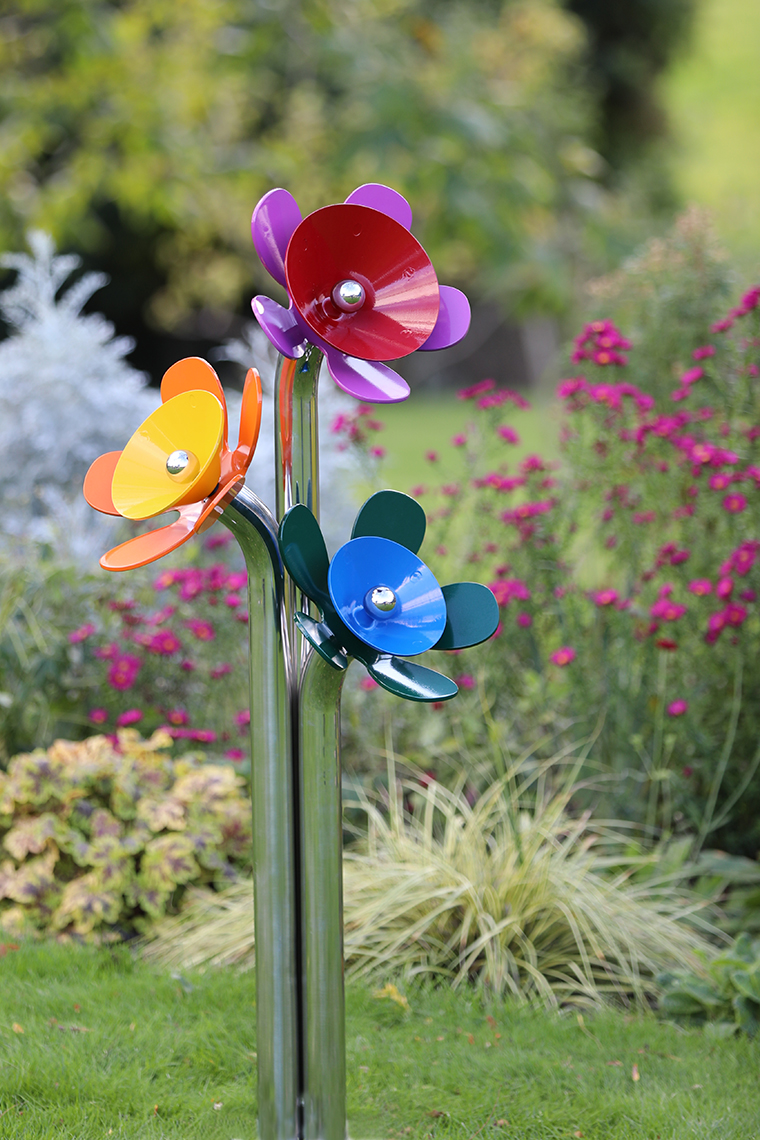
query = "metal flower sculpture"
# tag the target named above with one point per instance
(379, 602)
(361, 288)
(178, 459)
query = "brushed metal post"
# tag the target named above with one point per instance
(274, 843)
(296, 446)
(322, 901)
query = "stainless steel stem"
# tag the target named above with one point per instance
(296, 444)
(322, 901)
(274, 843)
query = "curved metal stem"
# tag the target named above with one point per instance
(322, 901)
(274, 845)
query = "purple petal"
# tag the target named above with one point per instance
(275, 217)
(453, 320)
(382, 198)
(280, 326)
(366, 379)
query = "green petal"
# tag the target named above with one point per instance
(319, 637)
(305, 554)
(390, 514)
(472, 615)
(412, 681)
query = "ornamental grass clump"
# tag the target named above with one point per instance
(100, 836)
(508, 891)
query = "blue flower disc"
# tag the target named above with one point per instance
(387, 596)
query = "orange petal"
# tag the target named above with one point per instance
(250, 422)
(97, 483)
(145, 548)
(189, 375)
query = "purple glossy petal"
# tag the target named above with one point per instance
(384, 199)
(280, 326)
(453, 320)
(275, 217)
(367, 379)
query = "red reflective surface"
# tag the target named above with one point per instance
(350, 242)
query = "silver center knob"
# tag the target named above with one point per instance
(177, 462)
(349, 295)
(383, 598)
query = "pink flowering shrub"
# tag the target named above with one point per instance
(166, 649)
(628, 572)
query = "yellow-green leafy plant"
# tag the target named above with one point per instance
(510, 891)
(101, 835)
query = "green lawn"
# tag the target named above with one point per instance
(426, 423)
(713, 99)
(94, 1045)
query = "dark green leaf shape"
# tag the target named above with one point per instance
(412, 681)
(305, 554)
(472, 615)
(390, 514)
(320, 638)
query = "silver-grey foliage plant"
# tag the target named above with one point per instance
(67, 395)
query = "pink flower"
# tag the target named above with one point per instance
(97, 716)
(203, 630)
(131, 716)
(466, 681)
(82, 633)
(377, 452)
(508, 434)
(221, 670)
(431, 456)
(235, 755)
(703, 352)
(748, 596)
(692, 375)
(108, 652)
(715, 624)
(242, 616)
(666, 643)
(177, 716)
(524, 620)
(164, 644)
(476, 390)
(233, 600)
(735, 614)
(720, 480)
(665, 610)
(743, 559)
(678, 708)
(734, 503)
(563, 656)
(203, 735)
(505, 589)
(458, 440)
(217, 539)
(679, 394)
(605, 597)
(368, 684)
(725, 588)
(123, 672)
(700, 586)
(188, 666)
(243, 718)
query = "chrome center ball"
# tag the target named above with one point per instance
(383, 599)
(349, 295)
(178, 462)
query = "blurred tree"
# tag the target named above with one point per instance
(142, 132)
(630, 45)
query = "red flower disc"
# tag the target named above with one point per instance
(348, 243)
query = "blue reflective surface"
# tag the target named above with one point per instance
(417, 620)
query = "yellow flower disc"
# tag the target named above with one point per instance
(193, 423)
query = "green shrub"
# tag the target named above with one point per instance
(726, 994)
(101, 835)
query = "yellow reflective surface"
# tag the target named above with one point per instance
(191, 422)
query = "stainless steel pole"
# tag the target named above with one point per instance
(322, 901)
(274, 844)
